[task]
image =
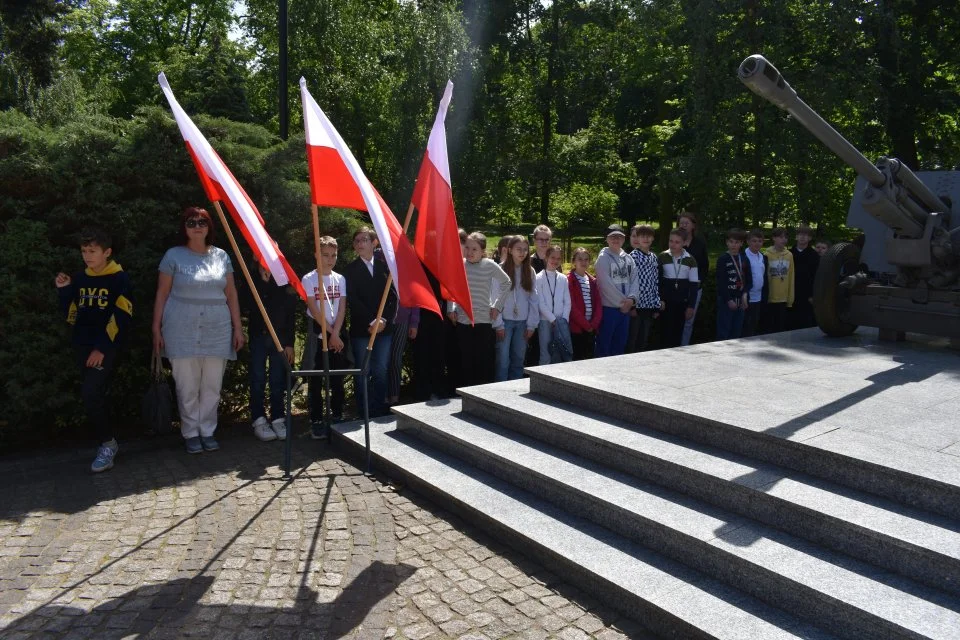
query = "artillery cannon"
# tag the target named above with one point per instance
(906, 275)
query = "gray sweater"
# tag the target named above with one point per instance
(617, 277)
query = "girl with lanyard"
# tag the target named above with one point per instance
(554, 293)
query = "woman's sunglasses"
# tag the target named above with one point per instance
(193, 223)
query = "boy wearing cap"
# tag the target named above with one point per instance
(617, 280)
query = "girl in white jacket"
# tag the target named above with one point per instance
(554, 295)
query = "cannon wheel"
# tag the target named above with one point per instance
(829, 298)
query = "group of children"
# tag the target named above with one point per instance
(766, 291)
(758, 291)
(524, 311)
(521, 298)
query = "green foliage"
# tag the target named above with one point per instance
(29, 37)
(132, 177)
(579, 111)
(121, 45)
(582, 204)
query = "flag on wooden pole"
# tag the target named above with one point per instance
(336, 180)
(437, 240)
(220, 185)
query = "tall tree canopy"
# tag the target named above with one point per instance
(572, 112)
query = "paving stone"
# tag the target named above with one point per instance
(420, 631)
(573, 633)
(465, 606)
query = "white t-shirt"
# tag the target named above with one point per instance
(336, 286)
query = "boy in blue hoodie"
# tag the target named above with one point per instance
(96, 301)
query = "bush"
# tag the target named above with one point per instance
(132, 177)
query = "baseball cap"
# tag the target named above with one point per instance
(614, 229)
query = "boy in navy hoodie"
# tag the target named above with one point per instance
(733, 283)
(96, 301)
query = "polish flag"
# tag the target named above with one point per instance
(219, 184)
(437, 240)
(336, 180)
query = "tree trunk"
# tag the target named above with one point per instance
(666, 215)
(900, 119)
(548, 95)
(757, 204)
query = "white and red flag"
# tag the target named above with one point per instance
(437, 240)
(336, 180)
(219, 184)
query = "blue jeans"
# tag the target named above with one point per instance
(613, 334)
(377, 373)
(262, 348)
(729, 322)
(547, 333)
(511, 351)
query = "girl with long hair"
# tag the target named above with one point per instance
(521, 311)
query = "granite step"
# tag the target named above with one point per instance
(670, 599)
(815, 442)
(852, 599)
(914, 543)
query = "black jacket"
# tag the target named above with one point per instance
(363, 296)
(698, 249)
(281, 306)
(805, 263)
(732, 284)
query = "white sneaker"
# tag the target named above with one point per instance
(261, 429)
(279, 427)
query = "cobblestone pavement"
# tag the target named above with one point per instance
(217, 545)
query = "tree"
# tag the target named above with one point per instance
(30, 34)
(376, 68)
(126, 43)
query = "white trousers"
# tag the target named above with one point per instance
(198, 393)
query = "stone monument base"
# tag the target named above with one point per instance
(781, 486)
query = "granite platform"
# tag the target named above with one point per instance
(790, 485)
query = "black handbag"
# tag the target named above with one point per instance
(157, 404)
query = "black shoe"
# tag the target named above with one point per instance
(318, 431)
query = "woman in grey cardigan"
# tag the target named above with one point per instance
(196, 324)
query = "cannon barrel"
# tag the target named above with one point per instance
(764, 80)
(901, 210)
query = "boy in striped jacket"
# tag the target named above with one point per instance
(679, 283)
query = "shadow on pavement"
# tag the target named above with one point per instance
(62, 482)
(173, 609)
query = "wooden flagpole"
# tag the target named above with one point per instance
(246, 274)
(316, 246)
(386, 289)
